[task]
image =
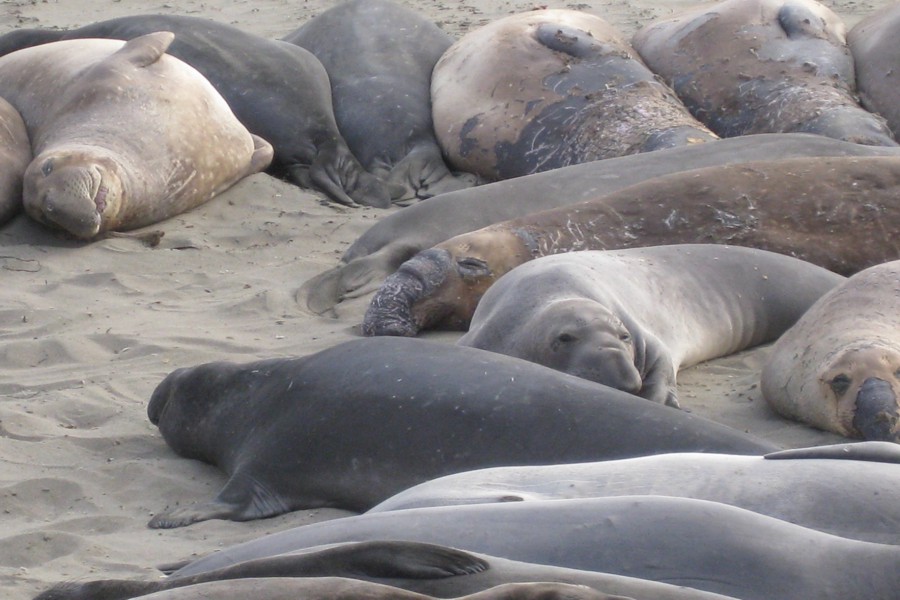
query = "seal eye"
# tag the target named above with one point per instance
(839, 385)
(565, 337)
(47, 167)
(625, 336)
(472, 267)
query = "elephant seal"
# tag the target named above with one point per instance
(838, 368)
(265, 82)
(316, 431)
(425, 568)
(873, 42)
(763, 66)
(379, 56)
(547, 89)
(636, 536)
(597, 314)
(15, 154)
(338, 588)
(121, 134)
(842, 214)
(398, 237)
(855, 499)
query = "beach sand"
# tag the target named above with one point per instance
(88, 330)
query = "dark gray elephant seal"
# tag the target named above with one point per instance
(338, 588)
(278, 91)
(121, 134)
(874, 44)
(631, 319)
(425, 568)
(838, 368)
(399, 236)
(547, 89)
(762, 66)
(315, 431)
(695, 543)
(855, 499)
(379, 56)
(842, 214)
(15, 154)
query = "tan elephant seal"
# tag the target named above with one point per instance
(549, 88)
(632, 318)
(875, 44)
(15, 154)
(763, 66)
(838, 368)
(123, 135)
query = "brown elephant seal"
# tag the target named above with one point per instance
(339, 588)
(123, 135)
(850, 494)
(15, 154)
(598, 314)
(310, 432)
(398, 237)
(279, 91)
(842, 214)
(838, 368)
(874, 43)
(379, 56)
(758, 66)
(550, 88)
(425, 568)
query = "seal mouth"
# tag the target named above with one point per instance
(100, 198)
(876, 417)
(391, 309)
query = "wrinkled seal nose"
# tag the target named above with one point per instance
(877, 412)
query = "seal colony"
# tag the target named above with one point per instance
(90, 329)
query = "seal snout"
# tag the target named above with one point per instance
(391, 309)
(877, 415)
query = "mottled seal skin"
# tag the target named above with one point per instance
(763, 66)
(379, 56)
(425, 568)
(339, 588)
(122, 134)
(15, 154)
(672, 540)
(874, 44)
(855, 499)
(630, 319)
(278, 91)
(316, 431)
(838, 368)
(842, 214)
(547, 89)
(398, 237)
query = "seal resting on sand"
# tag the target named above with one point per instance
(379, 56)
(763, 66)
(875, 44)
(354, 424)
(842, 214)
(630, 319)
(123, 135)
(398, 237)
(550, 88)
(15, 154)
(838, 368)
(279, 91)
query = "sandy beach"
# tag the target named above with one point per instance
(89, 329)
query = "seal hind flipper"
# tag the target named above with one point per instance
(884, 452)
(145, 50)
(568, 40)
(798, 21)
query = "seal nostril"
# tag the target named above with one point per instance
(877, 412)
